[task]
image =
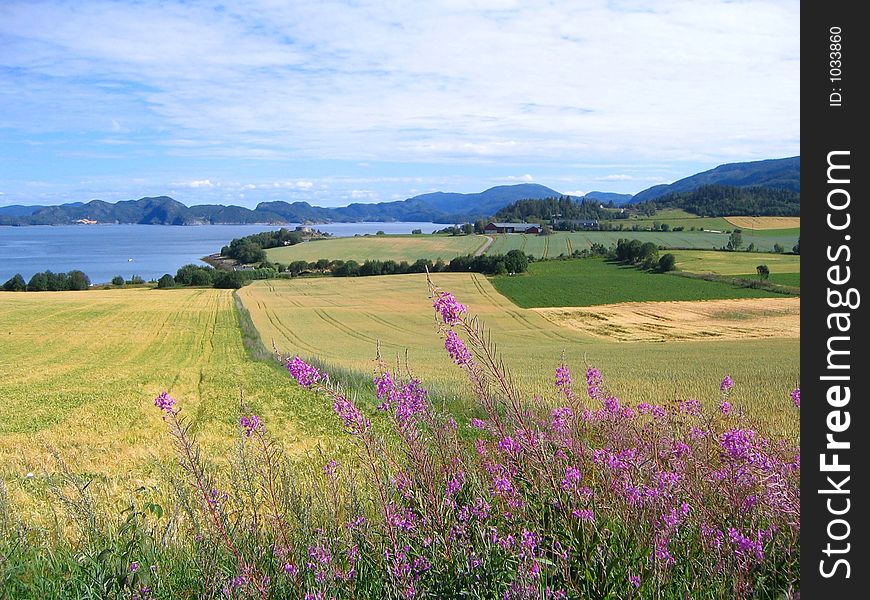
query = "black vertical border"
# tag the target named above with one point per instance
(827, 127)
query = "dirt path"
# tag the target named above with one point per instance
(682, 321)
(485, 246)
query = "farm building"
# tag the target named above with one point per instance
(512, 228)
(575, 224)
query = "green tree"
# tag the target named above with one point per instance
(467, 228)
(38, 283)
(480, 226)
(15, 284)
(136, 280)
(229, 280)
(797, 247)
(668, 262)
(735, 240)
(763, 271)
(778, 248)
(77, 280)
(297, 266)
(117, 280)
(167, 281)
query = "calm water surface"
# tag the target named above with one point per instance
(103, 251)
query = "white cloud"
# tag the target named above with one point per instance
(200, 183)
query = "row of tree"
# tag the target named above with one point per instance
(47, 281)
(499, 264)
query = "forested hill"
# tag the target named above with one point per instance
(563, 207)
(779, 173)
(724, 200)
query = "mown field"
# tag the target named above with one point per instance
(735, 263)
(380, 247)
(79, 372)
(342, 321)
(765, 222)
(591, 281)
(563, 242)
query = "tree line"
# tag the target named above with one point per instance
(564, 208)
(251, 249)
(48, 281)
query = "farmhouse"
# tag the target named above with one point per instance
(512, 228)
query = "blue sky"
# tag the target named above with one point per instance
(335, 102)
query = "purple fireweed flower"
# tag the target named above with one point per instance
(455, 482)
(478, 423)
(561, 416)
(725, 407)
(448, 307)
(502, 485)
(216, 497)
(634, 580)
(690, 407)
(353, 419)
(384, 387)
(250, 424)
(457, 350)
(165, 403)
(303, 373)
(411, 400)
(726, 384)
(564, 381)
(330, 467)
(796, 396)
(509, 446)
(593, 382)
(291, 569)
(611, 405)
(571, 479)
(134, 566)
(584, 515)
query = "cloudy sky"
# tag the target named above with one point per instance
(335, 102)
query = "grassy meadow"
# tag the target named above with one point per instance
(735, 263)
(380, 247)
(342, 321)
(591, 281)
(79, 372)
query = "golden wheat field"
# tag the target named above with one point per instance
(79, 372)
(389, 247)
(735, 319)
(765, 222)
(342, 321)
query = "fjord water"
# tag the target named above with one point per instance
(103, 251)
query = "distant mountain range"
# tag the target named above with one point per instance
(437, 207)
(779, 173)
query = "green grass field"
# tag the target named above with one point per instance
(380, 247)
(563, 242)
(342, 320)
(790, 279)
(735, 263)
(79, 372)
(676, 218)
(591, 281)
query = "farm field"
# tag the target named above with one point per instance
(735, 263)
(79, 372)
(671, 321)
(380, 247)
(765, 222)
(676, 218)
(341, 320)
(592, 281)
